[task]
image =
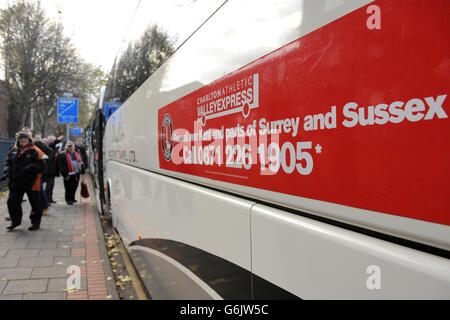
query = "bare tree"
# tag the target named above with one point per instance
(22, 30)
(40, 64)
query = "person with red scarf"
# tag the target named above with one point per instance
(70, 165)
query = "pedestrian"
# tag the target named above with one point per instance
(5, 174)
(25, 172)
(80, 148)
(53, 143)
(60, 144)
(70, 166)
(50, 155)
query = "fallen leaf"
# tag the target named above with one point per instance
(109, 297)
(125, 278)
(70, 290)
(193, 268)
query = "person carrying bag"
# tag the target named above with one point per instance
(70, 165)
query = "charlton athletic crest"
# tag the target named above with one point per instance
(166, 137)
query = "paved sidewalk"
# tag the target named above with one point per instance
(36, 264)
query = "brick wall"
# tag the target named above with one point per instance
(3, 110)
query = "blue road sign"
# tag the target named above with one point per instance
(76, 131)
(110, 107)
(67, 110)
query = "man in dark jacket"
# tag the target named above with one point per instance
(25, 170)
(51, 171)
(12, 152)
(49, 164)
(79, 147)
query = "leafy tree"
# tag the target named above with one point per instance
(138, 62)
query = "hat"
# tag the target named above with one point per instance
(24, 134)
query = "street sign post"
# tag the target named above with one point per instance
(67, 112)
(76, 131)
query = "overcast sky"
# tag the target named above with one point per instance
(97, 27)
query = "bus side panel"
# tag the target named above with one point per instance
(410, 180)
(198, 236)
(314, 260)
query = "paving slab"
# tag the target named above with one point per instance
(9, 236)
(35, 262)
(71, 245)
(54, 253)
(58, 238)
(37, 265)
(48, 272)
(10, 262)
(11, 297)
(45, 296)
(30, 237)
(13, 244)
(58, 285)
(23, 253)
(15, 273)
(25, 286)
(43, 245)
(69, 261)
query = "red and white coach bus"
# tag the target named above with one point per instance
(287, 149)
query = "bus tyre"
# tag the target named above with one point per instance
(107, 210)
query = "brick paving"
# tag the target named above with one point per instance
(35, 265)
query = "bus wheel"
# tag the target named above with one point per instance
(106, 203)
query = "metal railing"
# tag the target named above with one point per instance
(5, 145)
